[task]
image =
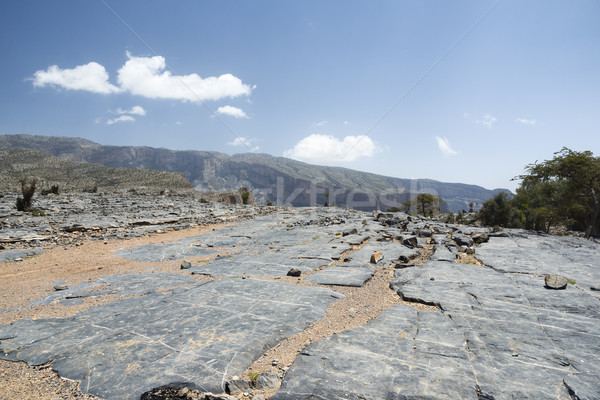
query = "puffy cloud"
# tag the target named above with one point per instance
(232, 112)
(525, 121)
(487, 120)
(91, 77)
(143, 76)
(122, 118)
(329, 149)
(246, 142)
(135, 110)
(444, 146)
(146, 76)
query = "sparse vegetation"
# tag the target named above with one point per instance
(563, 191)
(86, 177)
(245, 197)
(424, 204)
(27, 190)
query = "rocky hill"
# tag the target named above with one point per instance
(50, 170)
(278, 179)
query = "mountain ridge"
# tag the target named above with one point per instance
(276, 179)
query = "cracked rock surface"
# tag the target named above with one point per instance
(499, 333)
(489, 329)
(203, 334)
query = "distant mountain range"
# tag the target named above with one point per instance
(278, 179)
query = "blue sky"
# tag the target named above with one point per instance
(457, 91)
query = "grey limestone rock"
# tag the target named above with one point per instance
(556, 282)
(236, 386)
(401, 354)
(343, 275)
(199, 333)
(267, 380)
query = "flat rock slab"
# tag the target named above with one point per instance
(11, 255)
(572, 257)
(203, 334)
(524, 341)
(342, 275)
(121, 285)
(443, 253)
(173, 251)
(401, 354)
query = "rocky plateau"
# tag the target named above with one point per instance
(249, 302)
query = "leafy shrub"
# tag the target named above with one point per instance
(27, 190)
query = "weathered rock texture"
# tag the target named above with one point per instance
(498, 332)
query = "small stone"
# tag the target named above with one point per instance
(60, 286)
(480, 238)
(596, 288)
(236, 386)
(267, 380)
(410, 242)
(353, 231)
(185, 264)
(556, 282)
(183, 392)
(462, 249)
(274, 363)
(470, 250)
(294, 272)
(376, 257)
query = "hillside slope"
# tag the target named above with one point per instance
(278, 179)
(50, 170)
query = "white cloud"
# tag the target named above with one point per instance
(135, 110)
(232, 112)
(329, 149)
(487, 120)
(246, 142)
(122, 118)
(444, 146)
(90, 77)
(146, 76)
(143, 76)
(321, 123)
(525, 121)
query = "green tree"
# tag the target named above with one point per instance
(500, 210)
(574, 180)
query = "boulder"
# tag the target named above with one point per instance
(556, 282)
(463, 240)
(294, 272)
